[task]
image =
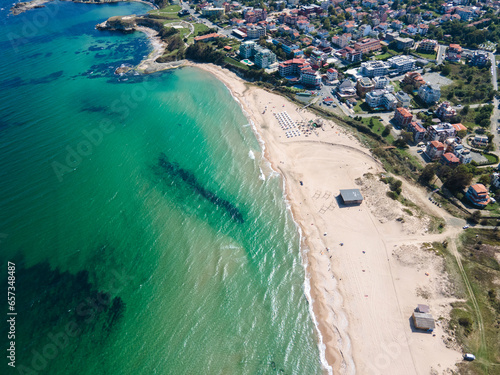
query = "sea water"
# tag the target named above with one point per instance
(146, 233)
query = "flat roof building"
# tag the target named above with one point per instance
(423, 321)
(351, 196)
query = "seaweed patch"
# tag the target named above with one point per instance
(175, 171)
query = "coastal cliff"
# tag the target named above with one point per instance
(130, 23)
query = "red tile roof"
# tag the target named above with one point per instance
(437, 145)
(451, 157)
(459, 127)
(480, 188)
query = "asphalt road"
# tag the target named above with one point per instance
(440, 54)
(493, 71)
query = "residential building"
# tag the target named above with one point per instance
(374, 68)
(495, 180)
(365, 29)
(423, 29)
(480, 58)
(364, 85)
(402, 64)
(349, 26)
(317, 58)
(459, 127)
(208, 12)
(341, 41)
(264, 58)
(287, 46)
(480, 141)
(435, 150)
(402, 117)
(368, 45)
(417, 130)
(255, 32)
(478, 195)
(427, 46)
(440, 132)
(350, 54)
(429, 93)
(414, 79)
(332, 74)
(449, 159)
(391, 36)
(346, 89)
(403, 43)
(254, 15)
(247, 49)
(445, 111)
(381, 98)
(454, 52)
(310, 77)
(206, 38)
(403, 99)
(381, 82)
(292, 67)
(463, 154)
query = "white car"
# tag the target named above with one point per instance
(466, 226)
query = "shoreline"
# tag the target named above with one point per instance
(350, 284)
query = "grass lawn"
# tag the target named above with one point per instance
(491, 158)
(397, 86)
(361, 107)
(470, 85)
(231, 61)
(430, 56)
(167, 9)
(479, 260)
(378, 127)
(199, 28)
(383, 56)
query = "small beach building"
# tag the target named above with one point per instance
(351, 196)
(423, 321)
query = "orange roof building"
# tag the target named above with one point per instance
(478, 195)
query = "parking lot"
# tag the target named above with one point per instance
(437, 79)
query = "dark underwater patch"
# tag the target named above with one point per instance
(48, 301)
(172, 171)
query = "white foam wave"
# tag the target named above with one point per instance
(251, 155)
(303, 252)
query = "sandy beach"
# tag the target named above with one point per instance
(366, 264)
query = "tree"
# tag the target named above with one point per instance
(484, 179)
(427, 174)
(326, 24)
(395, 5)
(465, 110)
(387, 131)
(407, 137)
(458, 178)
(446, 70)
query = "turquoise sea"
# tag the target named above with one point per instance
(149, 235)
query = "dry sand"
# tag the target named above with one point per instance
(365, 291)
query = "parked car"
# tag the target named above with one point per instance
(469, 357)
(466, 226)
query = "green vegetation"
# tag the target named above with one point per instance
(472, 117)
(429, 56)
(470, 84)
(480, 252)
